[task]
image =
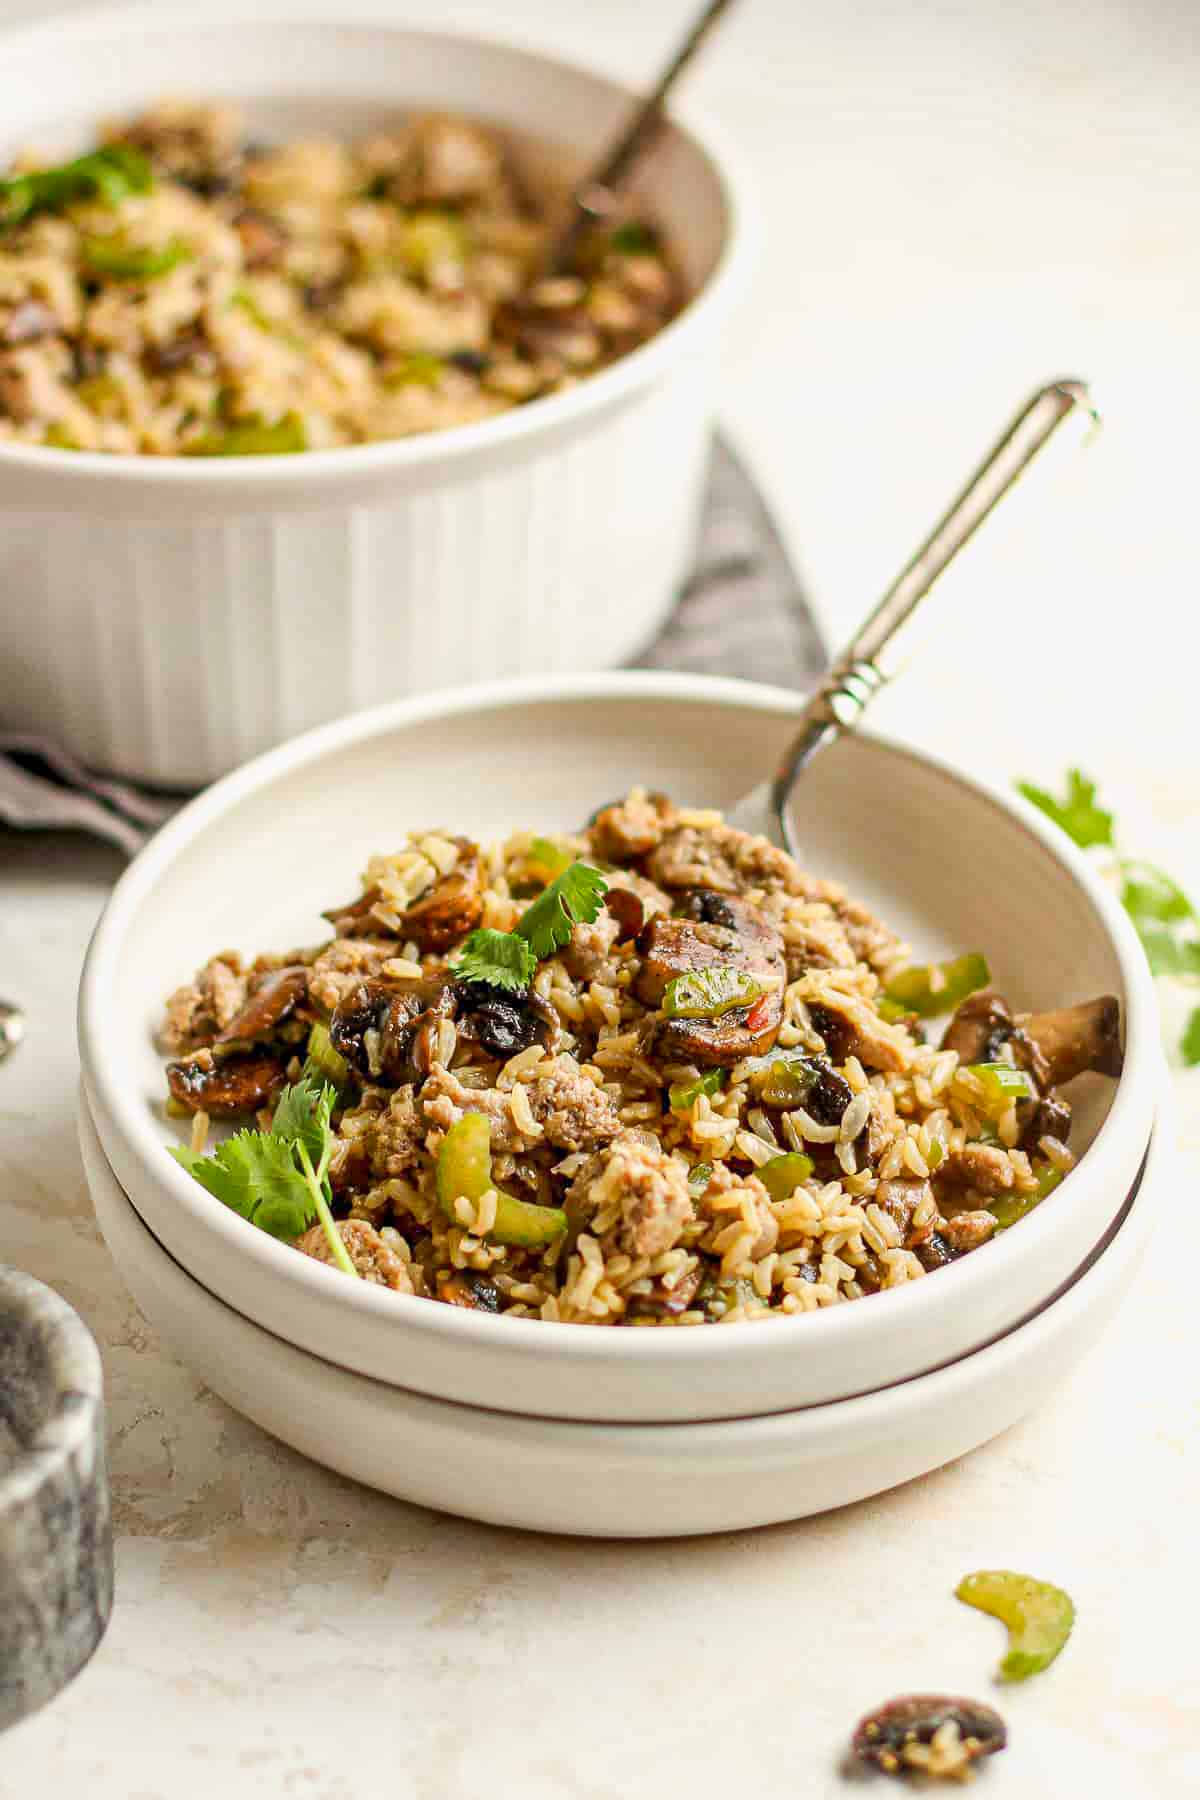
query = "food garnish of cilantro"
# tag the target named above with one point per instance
(507, 959)
(1163, 916)
(279, 1179)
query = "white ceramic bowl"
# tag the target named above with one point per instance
(622, 1480)
(169, 617)
(951, 864)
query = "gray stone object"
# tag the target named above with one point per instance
(56, 1568)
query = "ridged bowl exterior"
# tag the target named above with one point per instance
(166, 618)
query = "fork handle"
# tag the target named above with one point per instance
(856, 676)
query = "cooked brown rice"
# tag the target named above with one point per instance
(303, 295)
(673, 1200)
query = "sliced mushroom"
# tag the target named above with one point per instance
(1073, 1039)
(670, 948)
(271, 1003)
(375, 1027)
(227, 1087)
(503, 1024)
(982, 1028)
(441, 918)
(451, 908)
(356, 918)
(627, 909)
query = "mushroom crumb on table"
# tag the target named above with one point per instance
(650, 1074)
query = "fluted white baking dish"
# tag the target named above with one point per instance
(950, 863)
(168, 617)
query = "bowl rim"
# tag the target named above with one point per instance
(71, 1423)
(455, 445)
(1133, 1100)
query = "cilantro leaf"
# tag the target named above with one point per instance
(1148, 893)
(302, 1117)
(573, 898)
(1084, 822)
(110, 174)
(255, 1175)
(500, 958)
(277, 1179)
(1189, 1046)
(1166, 951)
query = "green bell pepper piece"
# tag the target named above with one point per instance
(464, 1171)
(683, 1094)
(1008, 1208)
(117, 258)
(783, 1174)
(932, 988)
(330, 1063)
(1039, 1617)
(708, 993)
(251, 437)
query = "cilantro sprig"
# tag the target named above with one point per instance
(507, 959)
(279, 1179)
(1163, 915)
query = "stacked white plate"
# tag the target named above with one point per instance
(557, 1427)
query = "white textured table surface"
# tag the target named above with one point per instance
(960, 203)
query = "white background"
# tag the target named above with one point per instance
(960, 200)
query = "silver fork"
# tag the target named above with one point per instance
(858, 672)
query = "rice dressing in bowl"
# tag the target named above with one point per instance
(887, 826)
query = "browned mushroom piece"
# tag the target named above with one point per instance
(909, 1736)
(188, 350)
(673, 947)
(445, 913)
(465, 1287)
(627, 909)
(980, 1028)
(377, 1027)
(1073, 1039)
(227, 1087)
(262, 238)
(984, 1026)
(269, 1006)
(356, 918)
(503, 1024)
(667, 1303)
(451, 908)
(1048, 1117)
